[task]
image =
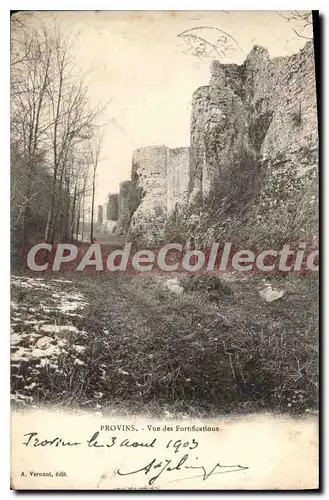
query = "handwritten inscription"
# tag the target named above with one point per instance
(155, 467)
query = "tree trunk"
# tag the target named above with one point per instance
(92, 209)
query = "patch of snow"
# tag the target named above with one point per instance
(15, 338)
(70, 306)
(57, 329)
(269, 295)
(62, 342)
(26, 282)
(174, 285)
(30, 387)
(78, 362)
(47, 309)
(61, 281)
(46, 362)
(44, 342)
(20, 398)
(79, 348)
(51, 350)
(123, 372)
(22, 354)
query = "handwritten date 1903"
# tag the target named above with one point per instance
(94, 442)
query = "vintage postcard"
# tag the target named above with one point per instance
(164, 250)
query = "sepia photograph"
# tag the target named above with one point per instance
(164, 250)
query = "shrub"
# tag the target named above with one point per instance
(206, 284)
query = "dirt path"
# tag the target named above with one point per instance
(132, 341)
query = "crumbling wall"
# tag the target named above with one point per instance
(258, 120)
(149, 173)
(252, 165)
(178, 178)
(127, 202)
(161, 177)
(218, 126)
(112, 210)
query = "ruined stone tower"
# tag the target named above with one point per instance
(254, 131)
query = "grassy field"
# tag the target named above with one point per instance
(133, 344)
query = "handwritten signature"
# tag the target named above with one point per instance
(164, 466)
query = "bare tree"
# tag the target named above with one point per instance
(31, 67)
(95, 147)
(21, 39)
(54, 147)
(72, 124)
(302, 20)
(79, 179)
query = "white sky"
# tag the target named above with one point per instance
(137, 62)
